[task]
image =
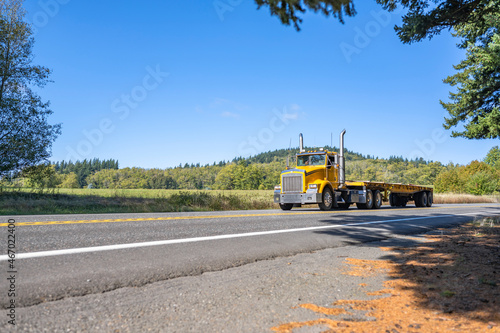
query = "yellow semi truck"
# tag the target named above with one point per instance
(319, 178)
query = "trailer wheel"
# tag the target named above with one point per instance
(400, 201)
(430, 199)
(423, 200)
(392, 199)
(416, 198)
(327, 202)
(286, 206)
(420, 199)
(377, 199)
(369, 201)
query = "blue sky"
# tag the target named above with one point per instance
(158, 83)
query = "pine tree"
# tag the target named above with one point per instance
(477, 100)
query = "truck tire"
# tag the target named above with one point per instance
(327, 202)
(420, 199)
(369, 201)
(430, 199)
(392, 199)
(377, 199)
(286, 206)
(399, 200)
(416, 198)
(423, 199)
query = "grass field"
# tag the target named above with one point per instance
(89, 201)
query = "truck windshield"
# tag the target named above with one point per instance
(310, 160)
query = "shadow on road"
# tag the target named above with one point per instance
(453, 271)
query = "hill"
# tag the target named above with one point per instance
(262, 171)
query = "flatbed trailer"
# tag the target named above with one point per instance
(397, 194)
(319, 178)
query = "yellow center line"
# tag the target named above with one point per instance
(213, 216)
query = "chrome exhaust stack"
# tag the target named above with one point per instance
(301, 143)
(341, 161)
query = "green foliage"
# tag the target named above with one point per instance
(83, 169)
(447, 293)
(475, 178)
(287, 10)
(424, 18)
(257, 172)
(25, 135)
(129, 201)
(482, 183)
(260, 172)
(493, 157)
(40, 177)
(395, 171)
(477, 100)
(449, 181)
(225, 178)
(132, 178)
(248, 174)
(69, 180)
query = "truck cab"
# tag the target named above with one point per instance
(315, 172)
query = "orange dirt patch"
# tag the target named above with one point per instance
(323, 310)
(448, 285)
(365, 268)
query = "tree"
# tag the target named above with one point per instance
(26, 136)
(226, 177)
(493, 157)
(477, 100)
(40, 176)
(69, 181)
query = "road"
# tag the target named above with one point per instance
(62, 257)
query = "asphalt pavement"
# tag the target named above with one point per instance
(105, 272)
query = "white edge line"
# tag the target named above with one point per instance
(206, 238)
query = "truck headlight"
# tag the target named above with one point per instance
(313, 186)
(277, 188)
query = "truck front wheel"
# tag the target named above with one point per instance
(327, 202)
(286, 206)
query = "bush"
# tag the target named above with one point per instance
(482, 183)
(477, 178)
(449, 181)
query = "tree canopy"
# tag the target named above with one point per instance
(26, 136)
(425, 18)
(477, 100)
(288, 11)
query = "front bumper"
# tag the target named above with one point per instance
(297, 198)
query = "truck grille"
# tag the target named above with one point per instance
(292, 183)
